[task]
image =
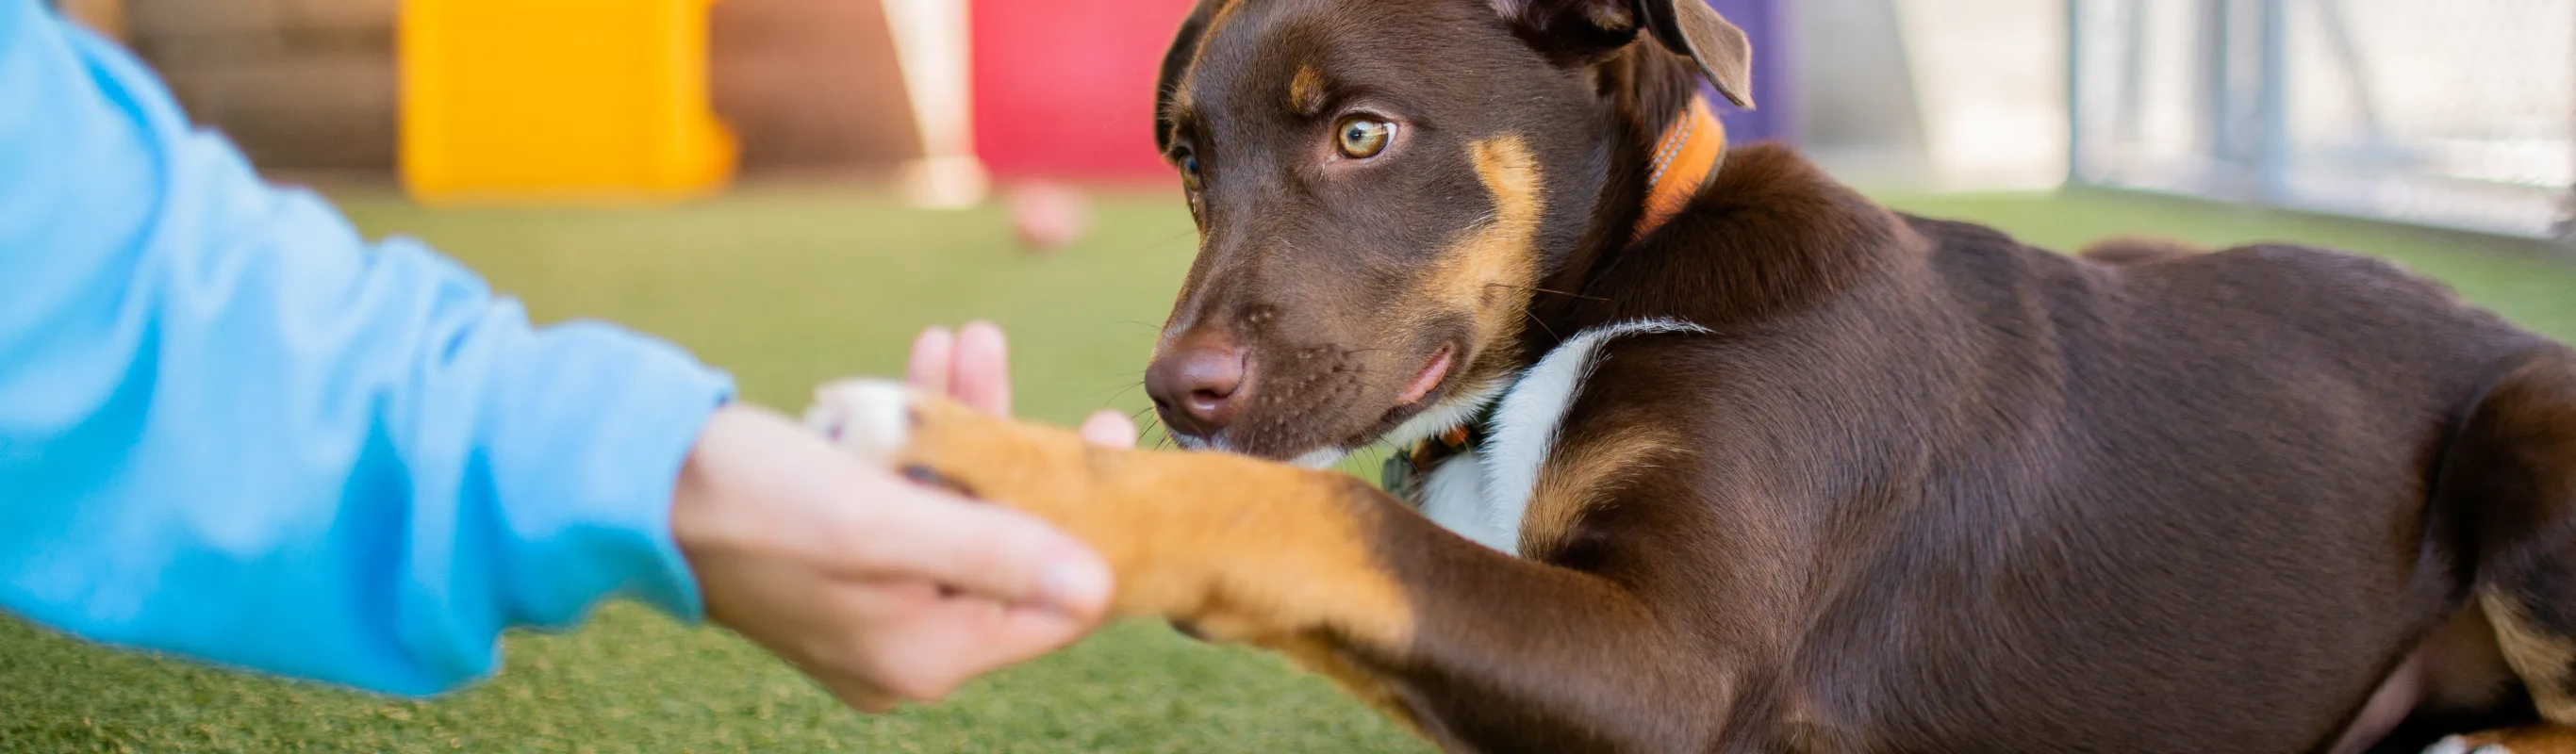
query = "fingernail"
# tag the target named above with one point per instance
(1076, 583)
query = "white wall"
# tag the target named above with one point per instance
(1990, 77)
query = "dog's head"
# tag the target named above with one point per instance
(1382, 186)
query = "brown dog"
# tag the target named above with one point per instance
(1730, 459)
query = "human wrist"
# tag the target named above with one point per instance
(586, 431)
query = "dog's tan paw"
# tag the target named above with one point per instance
(1240, 549)
(870, 418)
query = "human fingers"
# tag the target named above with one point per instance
(926, 651)
(932, 368)
(983, 550)
(982, 373)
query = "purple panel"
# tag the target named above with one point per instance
(1767, 22)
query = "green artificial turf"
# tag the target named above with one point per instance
(789, 289)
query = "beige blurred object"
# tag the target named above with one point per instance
(1991, 78)
(935, 42)
(104, 16)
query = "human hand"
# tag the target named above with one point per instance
(973, 366)
(881, 590)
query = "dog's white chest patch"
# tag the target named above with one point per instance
(1484, 493)
(1453, 496)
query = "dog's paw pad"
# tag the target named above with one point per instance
(2461, 745)
(870, 418)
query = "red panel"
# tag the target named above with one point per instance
(1065, 88)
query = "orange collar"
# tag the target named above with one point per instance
(1685, 158)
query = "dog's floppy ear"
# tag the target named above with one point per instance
(1572, 31)
(1580, 29)
(1723, 52)
(1176, 63)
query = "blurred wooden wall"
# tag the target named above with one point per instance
(811, 87)
(105, 16)
(299, 84)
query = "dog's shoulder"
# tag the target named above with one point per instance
(1639, 410)
(1745, 393)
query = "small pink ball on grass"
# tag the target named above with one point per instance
(1049, 217)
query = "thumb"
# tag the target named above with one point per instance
(984, 550)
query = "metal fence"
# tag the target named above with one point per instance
(2454, 113)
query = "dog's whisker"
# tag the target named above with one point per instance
(1542, 324)
(1549, 291)
(1153, 428)
(1122, 392)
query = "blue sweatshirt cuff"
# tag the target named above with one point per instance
(601, 524)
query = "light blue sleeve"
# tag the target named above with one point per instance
(231, 430)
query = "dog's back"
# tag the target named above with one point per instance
(2024, 493)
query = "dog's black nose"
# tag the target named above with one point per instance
(1199, 385)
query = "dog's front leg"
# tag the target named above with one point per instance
(1477, 649)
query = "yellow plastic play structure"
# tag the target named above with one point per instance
(507, 101)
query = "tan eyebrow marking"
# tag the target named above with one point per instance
(1306, 91)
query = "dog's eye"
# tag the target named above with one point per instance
(1363, 137)
(1189, 165)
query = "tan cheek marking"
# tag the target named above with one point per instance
(1245, 550)
(1491, 270)
(1581, 479)
(1306, 91)
(2542, 660)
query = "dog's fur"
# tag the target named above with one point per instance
(1793, 472)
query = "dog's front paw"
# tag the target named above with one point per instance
(1235, 548)
(870, 418)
